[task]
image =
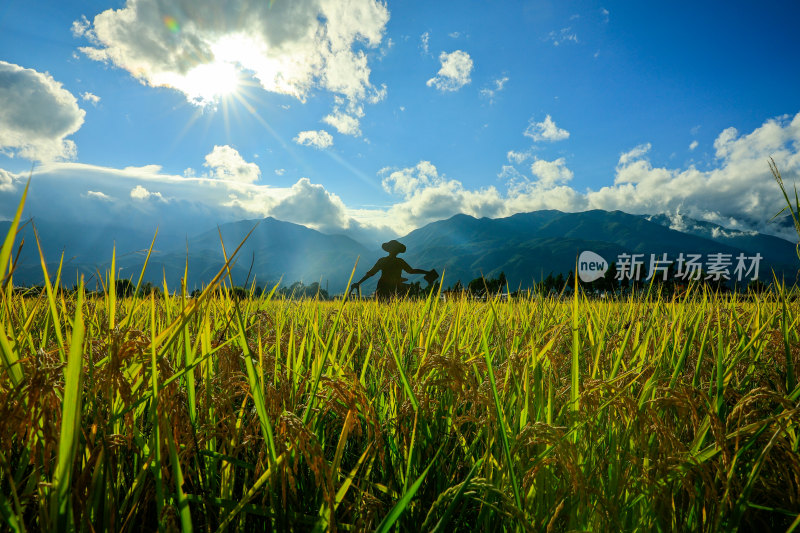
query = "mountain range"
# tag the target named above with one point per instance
(526, 247)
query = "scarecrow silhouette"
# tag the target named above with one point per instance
(391, 283)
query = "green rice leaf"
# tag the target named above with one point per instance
(71, 409)
(401, 505)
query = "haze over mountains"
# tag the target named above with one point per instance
(526, 246)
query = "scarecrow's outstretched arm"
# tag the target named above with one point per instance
(410, 270)
(371, 272)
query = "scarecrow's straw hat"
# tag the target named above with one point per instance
(394, 247)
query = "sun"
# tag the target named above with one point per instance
(211, 81)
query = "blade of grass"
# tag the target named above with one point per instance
(51, 300)
(500, 419)
(397, 510)
(156, 466)
(787, 349)
(8, 243)
(318, 375)
(251, 492)
(398, 363)
(256, 387)
(741, 503)
(574, 395)
(10, 360)
(111, 311)
(126, 321)
(441, 525)
(167, 335)
(177, 472)
(61, 510)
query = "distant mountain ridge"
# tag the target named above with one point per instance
(772, 248)
(526, 246)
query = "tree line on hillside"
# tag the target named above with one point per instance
(610, 283)
(479, 287)
(122, 288)
(125, 288)
(297, 290)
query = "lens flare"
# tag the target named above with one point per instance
(172, 24)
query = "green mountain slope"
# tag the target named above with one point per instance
(526, 246)
(529, 246)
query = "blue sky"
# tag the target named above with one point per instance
(373, 119)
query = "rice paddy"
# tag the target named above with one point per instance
(222, 413)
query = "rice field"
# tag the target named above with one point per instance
(222, 413)
(217, 413)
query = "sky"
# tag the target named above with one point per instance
(372, 119)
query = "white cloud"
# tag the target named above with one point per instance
(377, 95)
(98, 195)
(310, 204)
(344, 122)
(81, 27)
(518, 157)
(289, 48)
(455, 71)
(138, 198)
(6, 181)
(497, 85)
(719, 232)
(91, 98)
(280, 171)
(678, 222)
(693, 145)
(424, 41)
(738, 192)
(407, 180)
(318, 139)
(36, 115)
(551, 173)
(564, 35)
(634, 153)
(226, 164)
(429, 196)
(145, 169)
(142, 194)
(454, 35)
(545, 131)
(511, 174)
